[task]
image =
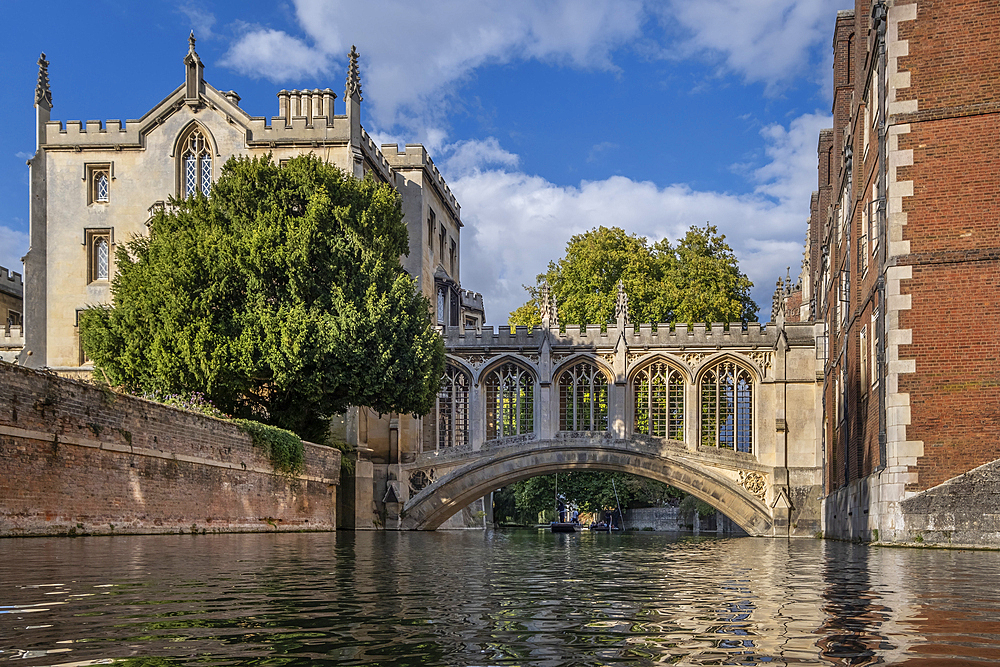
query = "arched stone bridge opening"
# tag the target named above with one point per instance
(717, 478)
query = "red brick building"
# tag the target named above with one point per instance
(902, 267)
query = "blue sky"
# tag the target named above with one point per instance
(546, 118)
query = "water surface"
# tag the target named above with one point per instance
(495, 598)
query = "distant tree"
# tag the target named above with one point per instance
(698, 280)
(280, 297)
(590, 490)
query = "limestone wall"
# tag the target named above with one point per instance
(78, 459)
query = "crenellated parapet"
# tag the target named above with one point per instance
(414, 156)
(11, 282)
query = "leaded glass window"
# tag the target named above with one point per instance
(727, 407)
(197, 164)
(510, 401)
(101, 258)
(583, 398)
(658, 390)
(448, 425)
(101, 187)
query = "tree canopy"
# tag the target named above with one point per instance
(696, 280)
(280, 297)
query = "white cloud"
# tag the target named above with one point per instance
(414, 52)
(468, 157)
(767, 41)
(201, 20)
(274, 55)
(13, 246)
(516, 223)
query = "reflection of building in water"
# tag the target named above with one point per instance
(901, 260)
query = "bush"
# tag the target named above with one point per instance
(284, 448)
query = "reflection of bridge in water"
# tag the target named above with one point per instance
(726, 413)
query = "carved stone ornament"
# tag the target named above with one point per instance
(692, 359)
(753, 482)
(420, 479)
(633, 357)
(608, 357)
(762, 359)
(533, 358)
(477, 360)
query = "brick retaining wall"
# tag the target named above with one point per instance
(79, 459)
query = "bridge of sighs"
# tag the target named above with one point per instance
(726, 413)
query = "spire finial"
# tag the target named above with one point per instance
(353, 76)
(191, 42)
(621, 306)
(547, 308)
(42, 92)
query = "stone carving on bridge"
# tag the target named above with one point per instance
(753, 482)
(762, 359)
(477, 360)
(692, 359)
(420, 479)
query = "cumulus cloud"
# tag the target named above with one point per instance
(516, 223)
(414, 52)
(13, 246)
(768, 41)
(274, 55)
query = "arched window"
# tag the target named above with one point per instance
(100, 258)
(659, 401)
(510, 401)
(448, 425)
(727, 407)
(197, 165)
(583, 398)
(101, 187)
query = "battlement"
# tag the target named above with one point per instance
(415, 156)
(472, 299)
(376, 157)
(719, 335)
(11, 343)
(11, 282)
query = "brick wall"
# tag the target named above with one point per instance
(78, 459)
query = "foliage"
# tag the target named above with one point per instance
(284, 448)
(690, 505)
(280, 297)
(193, 402)
(696, 280)
(590, 490)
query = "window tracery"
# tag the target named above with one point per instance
(658, 390)
(510, 401)
(449, 424)
(727, 407)
(196, 160)
(583, 398)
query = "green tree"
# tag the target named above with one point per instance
(698, 280)
(280, 297)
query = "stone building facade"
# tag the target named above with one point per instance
(11, 314)
(95, 184)
(901, 265)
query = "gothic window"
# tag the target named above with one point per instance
(451, 256)
(98, 242)
(727, 407)
(442, 305)
(431, 226)
(448, 425)
(196, 162)
(658, 390)
(101, 187)
(98, 181)
(510, 401)
(583, 398)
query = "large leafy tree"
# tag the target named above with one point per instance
(280, 297)
(696, 280)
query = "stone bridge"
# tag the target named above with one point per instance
(725, 412)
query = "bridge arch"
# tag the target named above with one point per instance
(437, 502)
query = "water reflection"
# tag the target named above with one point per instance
(499, 598)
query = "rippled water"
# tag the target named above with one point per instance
(499, 598)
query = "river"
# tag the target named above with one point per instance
(493, 598)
